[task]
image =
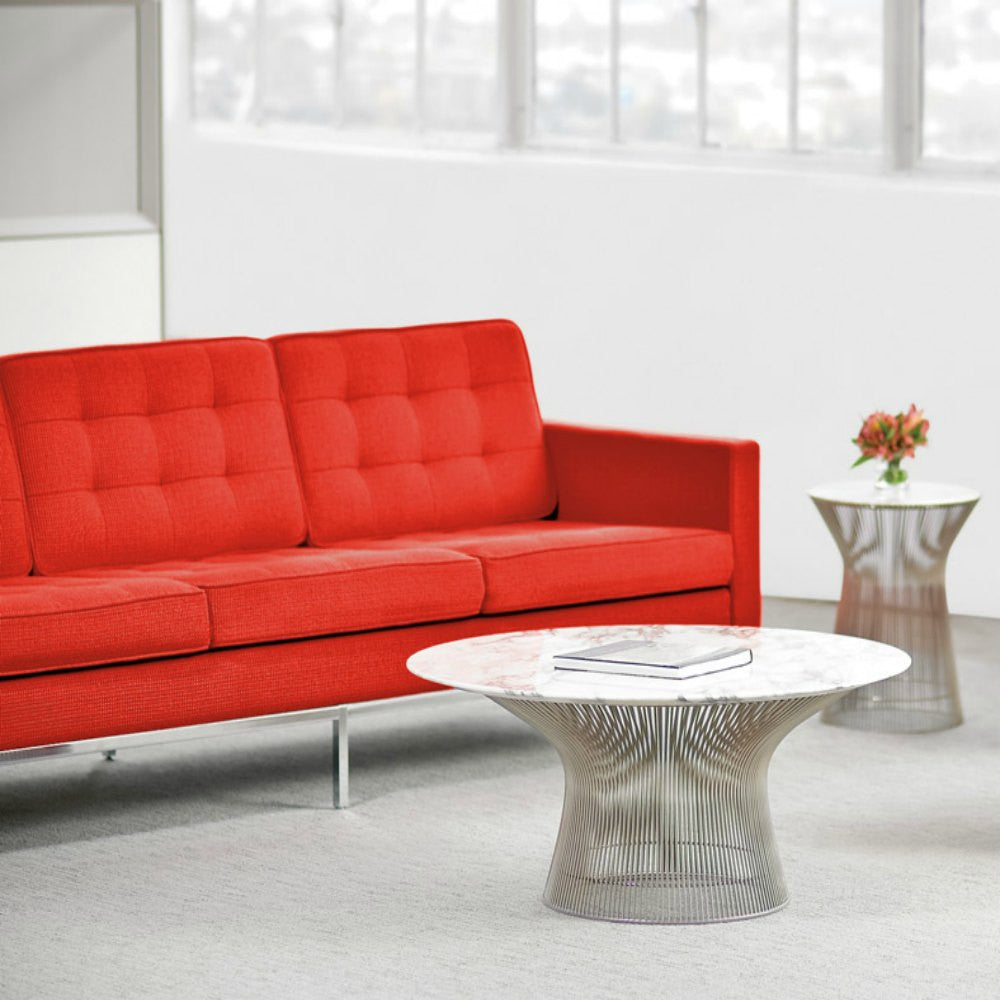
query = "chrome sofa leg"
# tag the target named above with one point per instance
(109, 754)
(341, 779)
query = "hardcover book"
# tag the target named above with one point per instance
(645, 658)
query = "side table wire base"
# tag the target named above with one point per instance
(665, 817)
(924, 698)
(894, 592)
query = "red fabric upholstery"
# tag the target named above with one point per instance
(620, 476)
(15, 554)
(292, 593)
(418, 429)
(51, 623)
(543, 564)
(175, 462)
(258, 680)
(151, 452)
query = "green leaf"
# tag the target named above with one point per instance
(862, 460)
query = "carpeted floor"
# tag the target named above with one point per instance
(217, 868)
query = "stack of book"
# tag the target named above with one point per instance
(664, 658)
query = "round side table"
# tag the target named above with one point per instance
(895, 544)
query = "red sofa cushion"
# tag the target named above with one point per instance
(156, 451)
(416, 429)
(292, 593)
(550, 563)
(51, 623)
(280, 677)
(15, 554)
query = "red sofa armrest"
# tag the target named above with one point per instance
(625, 477)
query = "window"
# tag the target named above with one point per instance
(748, 73)
(572, 68)
(658, 74)
(962, 79)
(460, 66)
(807, 76)
(839, 75)
(223, 60)
(390, 65)
(296, 67)
(377, 63)
(772, 74)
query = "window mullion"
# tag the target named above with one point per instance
(515, 70)
(793, 75)
(902, 83)
(700, 10)
(420, 66)
(338, 16)
(259, 61)
(614, 70)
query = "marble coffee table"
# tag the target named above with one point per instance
(895, 544)
(665, 816)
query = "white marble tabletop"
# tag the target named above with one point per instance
(786, 664)
(858, 493)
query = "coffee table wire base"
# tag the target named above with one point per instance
(665, 817)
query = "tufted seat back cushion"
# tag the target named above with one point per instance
(152, 452)
(15, 555)
(415, 429)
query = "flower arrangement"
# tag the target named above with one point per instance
(891, 438)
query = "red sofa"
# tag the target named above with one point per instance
(198, 531)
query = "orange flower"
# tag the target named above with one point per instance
(891, 436)
(915, 424)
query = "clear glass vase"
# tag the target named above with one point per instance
(893, 476)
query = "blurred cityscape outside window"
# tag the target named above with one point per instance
(798, 75)
(962, 79)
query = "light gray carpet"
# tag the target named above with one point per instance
(217, 869)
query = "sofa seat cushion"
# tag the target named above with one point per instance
(538, 564)
(293, 593)
(54, 623)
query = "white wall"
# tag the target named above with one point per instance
(76, 291)
(779, 306)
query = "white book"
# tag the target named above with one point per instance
(646, 658)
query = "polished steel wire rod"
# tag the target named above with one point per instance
(665, 816)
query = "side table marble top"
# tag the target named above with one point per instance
(854, 493)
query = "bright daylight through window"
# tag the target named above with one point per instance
(797, 75)
(399, 65)
(962, 79)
